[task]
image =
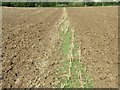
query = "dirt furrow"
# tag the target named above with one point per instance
(97, 35)
(29, 53)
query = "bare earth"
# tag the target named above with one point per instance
(31, 44)
(96, 30)
(29, 47)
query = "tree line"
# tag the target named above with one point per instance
(58, 4)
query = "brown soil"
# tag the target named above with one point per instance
(30, 41)
(96, 30)
(30, 44)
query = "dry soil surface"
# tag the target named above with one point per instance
(30, 39)
(30, 44)
(96, 32)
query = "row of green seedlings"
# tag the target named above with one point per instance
(72, 73)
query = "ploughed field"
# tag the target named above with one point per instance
(60, 47)
(96, 30)
(29, 38)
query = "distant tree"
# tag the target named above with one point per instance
(0, 3)
(45, 4)
(15, 4)
(70, 4)
(98, 4)
(78, 4)
(6, 4)
(119, 3)
(52, 4)
(59, 4)
(90, 4)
